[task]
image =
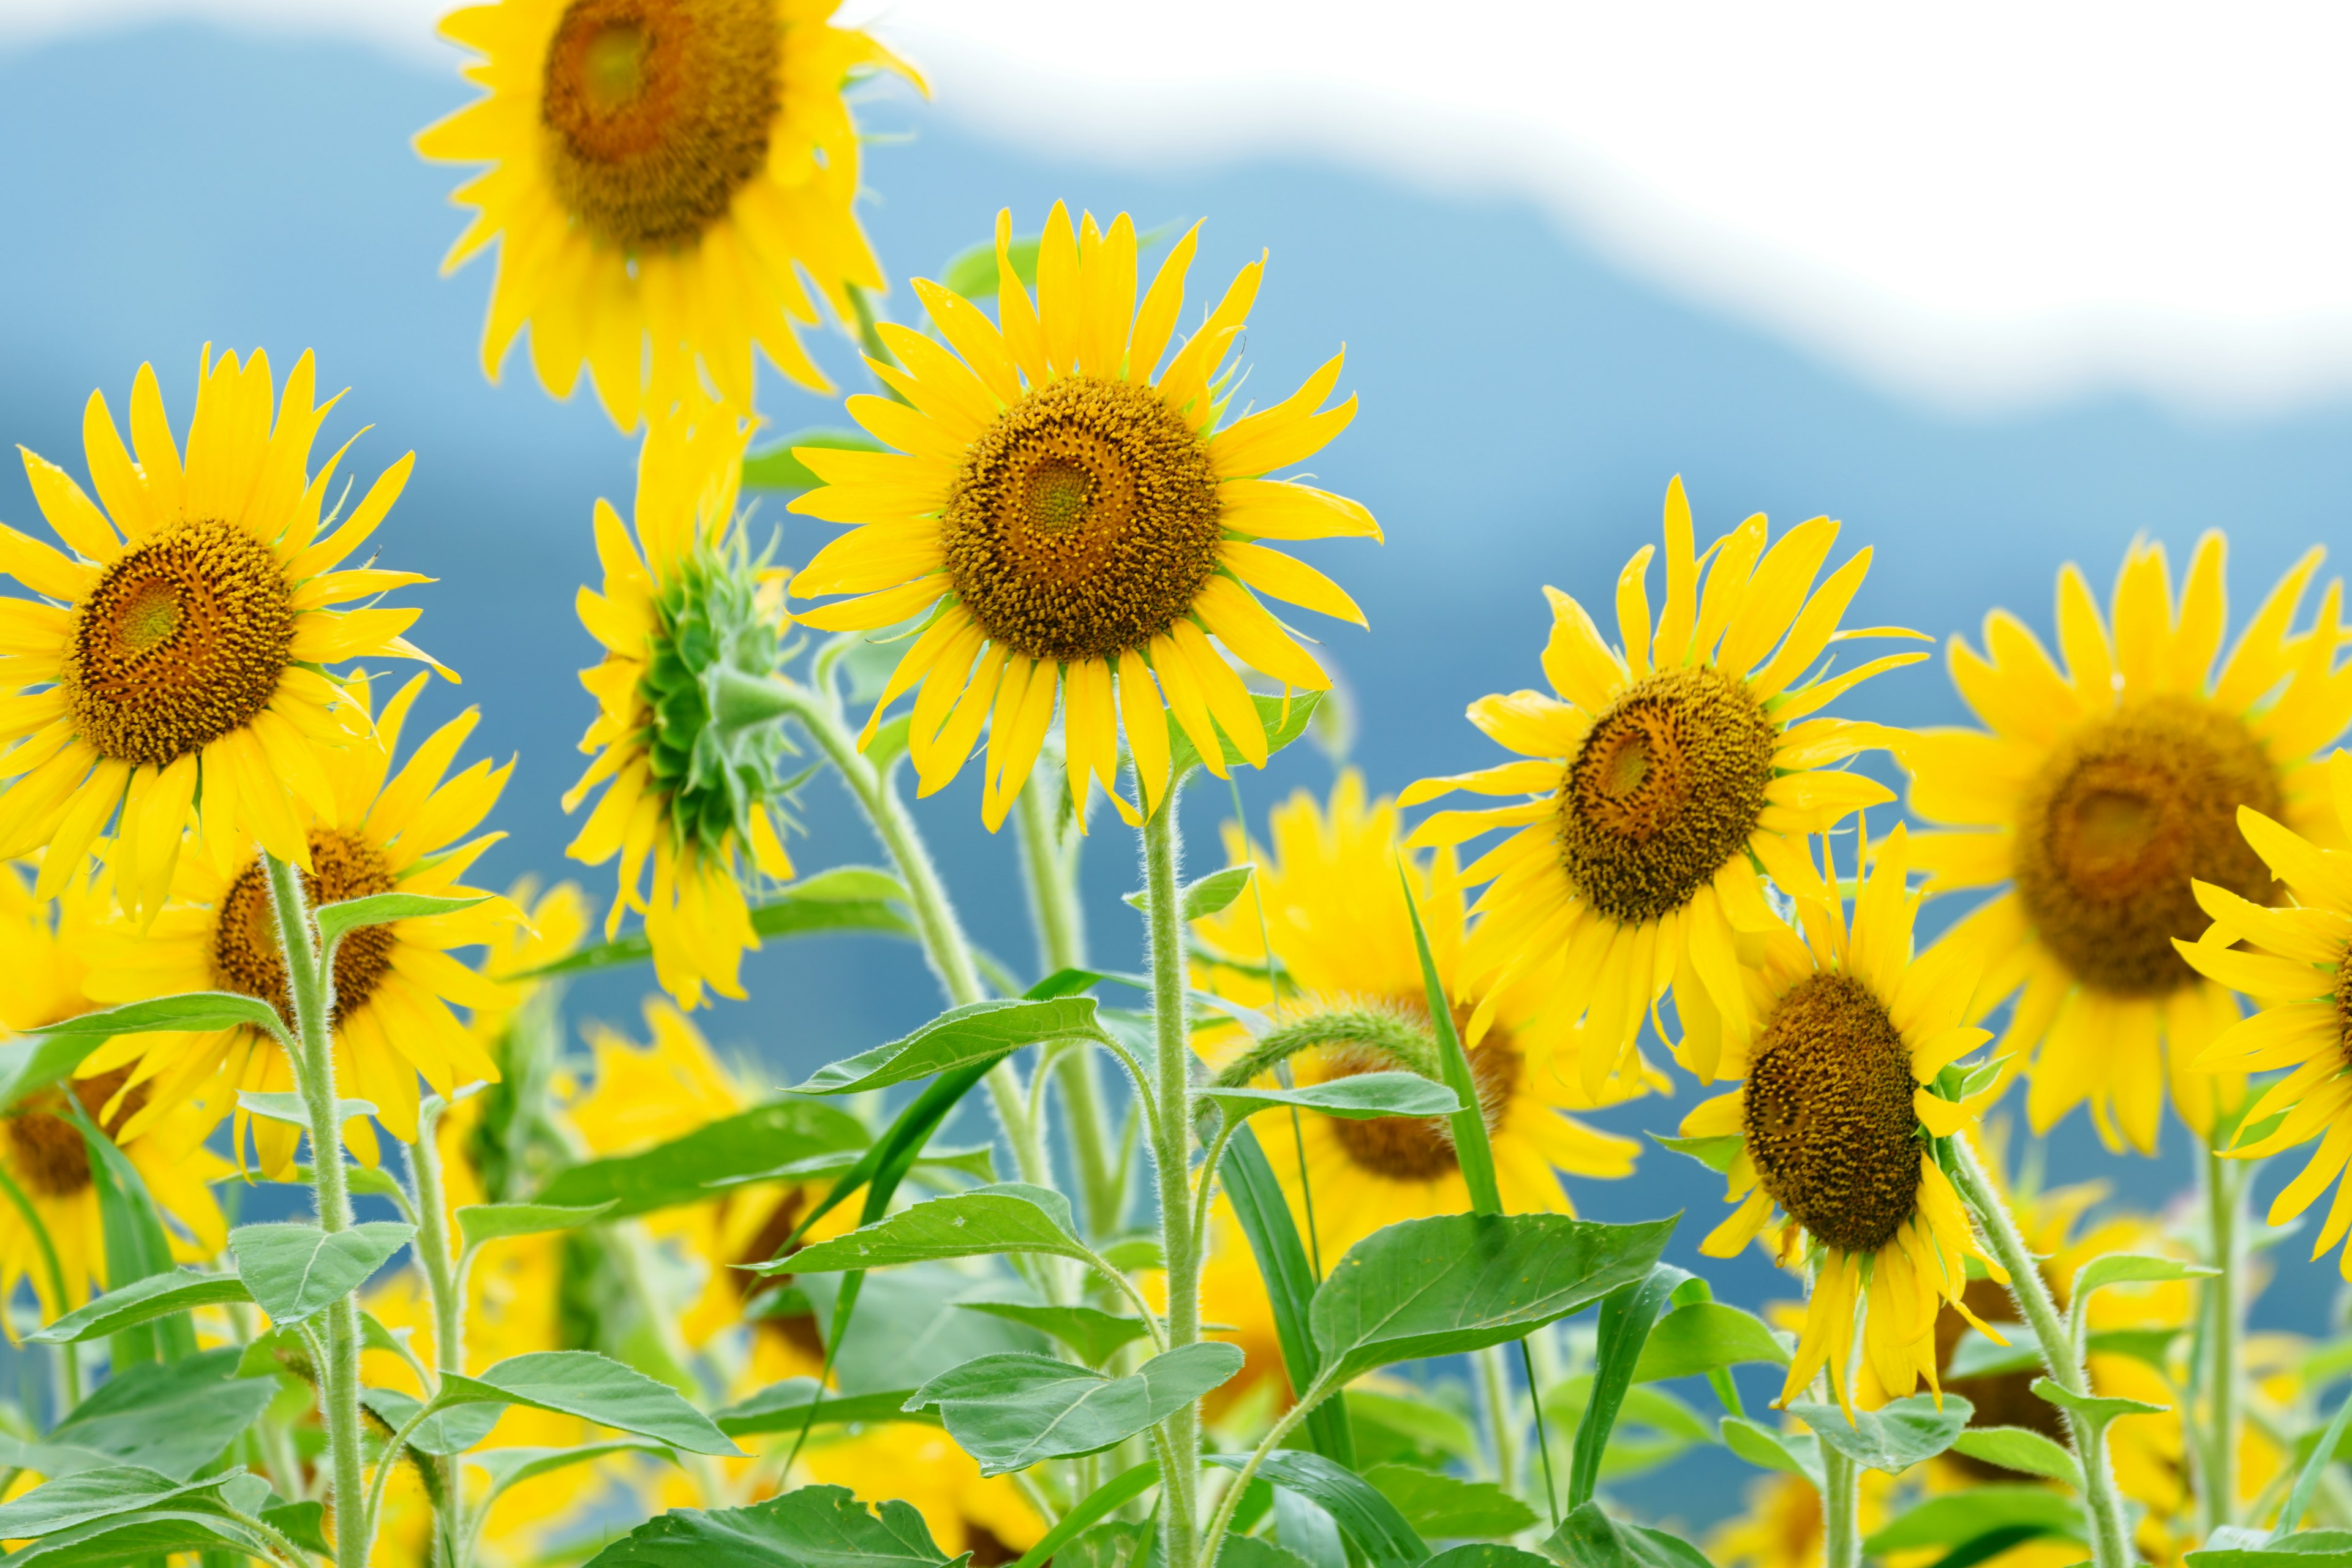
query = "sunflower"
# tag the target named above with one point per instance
(1335, 910)
(42, 1150)
(987, 1516)
(1069, 523)
(663, 172)
(2095, 799)
(170, 671)
(1667, 780)
(1838, 1127)
(1783, 1526)
(692, 789)
(218, 932)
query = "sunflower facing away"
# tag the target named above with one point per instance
(171, 668)
(689, 792)
(1837, 1123)
(2095, 797)
(1668, 778)
(1071, 523)
(376, 832)
(663, 172)
(1335, 913)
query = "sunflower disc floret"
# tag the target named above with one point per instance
(1829, 1117)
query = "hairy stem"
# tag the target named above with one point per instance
(1502, 1426)
(1172, 1154)
(2218, 1473)
(446, 1289)
(1841, 1511)
(1049, 858)
(1392, 1033)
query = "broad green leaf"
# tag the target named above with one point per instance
(1796, 1453)
(1357, 1098)
(1959, 1518)
(362, 1182)
(1210, 895)
(334, 921)
(142, 1300)
(2304, 1549)
(972, 271)
(1418, 1430)
(1134, 1254)
(69, 1500)
(52, 1459)
(907, 1328)
(1447, 1507)
(1250, 1552)
(1094, 1334)
(303, 1523)
(1589, 1538)
(1893, 1437)
(2020, 1448)
(296, 1271)
(288, 1107)
(1715, 1154)
(2133, 1268)
(1010, 1217)
(1283, 720)
(1011, 1411)
(510, 1466)
(1459, 1283)
(594, 1388)
(784, 1407)
(1113, 1494)
(775, 469)
(815, 1527)
(1264, 1215)
(442, 1432)
(145, 1536)
(977, 1161)
(479, 1223)
(2091, 1407)
(1487, 1554)
(34, 1063)
(193, 1011)
(682, 1170)
(1362, 1514)
(984, 1030)
(173, 1419)
(1304, 1528)
(137, 1245)
(1627, 1314)
(1702, 1336)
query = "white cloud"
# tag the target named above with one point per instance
(1983, 205)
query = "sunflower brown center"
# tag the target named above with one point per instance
(1666, 787)
(2124, 813)
(1421, 1148)
(658, 111)
(1083, 521)
(2344, 1006)
(1829, 1117)
(45, 1146)
(181, 641)
(245, 937)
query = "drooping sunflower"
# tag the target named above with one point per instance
(2094, 798)
(171, 668)
(375, 832)
(663, 174)
(1668, 778)
(1075, 520)
(1838, 1124)
(684, 612)
(1335, 910)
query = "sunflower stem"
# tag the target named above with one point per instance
(2110, 1538)
(1173, 1046)
(1841, 1511)
(1049, 858)
(310, 985)
(2217, 1472)
(1494, 1397)
(446, 1295)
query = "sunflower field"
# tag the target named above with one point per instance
(1266, 1254)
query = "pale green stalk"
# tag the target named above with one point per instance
(1171, 1154)
(68, 1361)
(445, 1290)
(1050, 859)
(1841, 1511)
(2218, 1466)
(310, 985)
(1495, 1397)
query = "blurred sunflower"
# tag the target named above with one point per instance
(1783, 1526)
(2094, 798)
(1837, 1126)
(169, 673)
(1667, 781)
(692, 784)
(965, 1511)
(1335, 911)
(1069, 522)
(662, 174)
(43, 1153)
(393, 982)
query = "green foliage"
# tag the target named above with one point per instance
(1095, 1335)
(1441, 1507)
(1113, 1494)
(1283, 1266)
(481, 1223)
(1893, 1437)
(1794, 1453)
(1357, 1096)
(171, 1419)
(774, 468)
(2296, 1551)
(1627, 1315)
(594, 1388)
(191, 1011)
(1210, 895)
(1284, 719)
(1589, 1538)
(1705, 1336)
(1010, 1411)
(2012, 1514)
(1012, 1216)
(684, 1170)
(1365, 1517)
(295, 1271)
(786, 1406)
(845, 901)
(958, 1037)
(334, 921)
(815, 1527)
(136, 1245)
(141, 1302)
(2022, 1449)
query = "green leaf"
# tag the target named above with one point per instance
(594, 1388)
(1281, 728)
(682, 1170)
(1704, 1336)
(1472, 1152)
(784, 1407)
(1796, 1453)
(141, 1302)
(1646, 1405)
(69, 1500)
(973, 272)
(984, 1030)
(303, 1523)
(1460, 1282)
(1418, 1430)
(1367, 1518)
(1957, 1518)
(1447, 1507)
(295, 1270)
(1626, 1316)
(2020, 1448)
(1250, 1552)
(815, 1527)
(2295, 1551)
(1264, 1215)
(510, 1467)
(334, 921)
(1589, 1538)
(1133, 1254)
(775, 469)
(2315, 1464)
(288, 1107)
(2132, 1269)
(1094, 1334)
(1893, 1437)
(1010, 1411)
(194, 1011)
(1100, 1503)
(1009, 1217)
(30, 1065)
(848, 900)
(443, 1432)
(136, 1244)
(1208, 896)
(173, 1418)
(147, 1535)
(481, 1222)
(1357, 1098)
(1715, 1154)
(2096, 1410)
(1487, 1554)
